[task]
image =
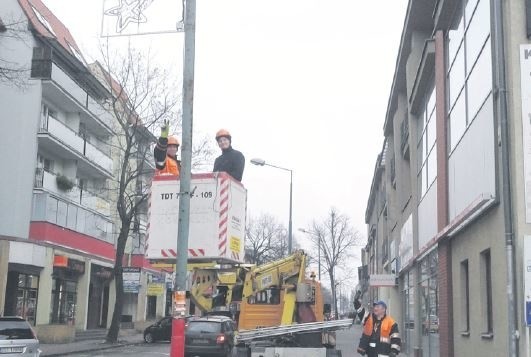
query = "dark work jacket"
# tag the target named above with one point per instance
(162, 159)
(230, 161)
(382, 347)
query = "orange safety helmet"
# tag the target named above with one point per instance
(172, 140)
(223, 132)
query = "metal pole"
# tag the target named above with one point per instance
(500, 95)
(179, 291)
(290, 226)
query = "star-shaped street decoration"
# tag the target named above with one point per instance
(129, 11)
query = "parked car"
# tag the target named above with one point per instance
(159, 331)
(210, 335)
(17, 338)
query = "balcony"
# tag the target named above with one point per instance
(48, 181)
(64, 213)
(62, 141)
(64, 90)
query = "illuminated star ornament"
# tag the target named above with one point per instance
(129, 11)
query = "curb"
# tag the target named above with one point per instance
(101, 348)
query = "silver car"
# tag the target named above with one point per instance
(17, 338)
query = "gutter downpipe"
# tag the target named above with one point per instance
(501, 100)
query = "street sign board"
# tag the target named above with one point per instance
(131, 279)
(382, 280)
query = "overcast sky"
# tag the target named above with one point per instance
(302, 84)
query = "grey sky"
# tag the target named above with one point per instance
(301, 83)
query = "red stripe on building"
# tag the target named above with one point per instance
(48, 232)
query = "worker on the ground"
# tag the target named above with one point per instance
(165, 153)
(380, 335)
(230, 161)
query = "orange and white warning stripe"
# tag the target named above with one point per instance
(223, 215)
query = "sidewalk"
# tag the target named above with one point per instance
(65, 349)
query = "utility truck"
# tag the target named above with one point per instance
(277, 306)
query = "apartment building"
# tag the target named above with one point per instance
(58, 221)
(448, 207)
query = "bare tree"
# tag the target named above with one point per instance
(12, 71)
(266, 240)
(336, 239)
(142, 99)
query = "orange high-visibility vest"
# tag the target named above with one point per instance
(171, 167)
(385, 328)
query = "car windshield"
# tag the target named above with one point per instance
(15, 330)
(204, 326)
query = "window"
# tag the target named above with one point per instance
(21, 295)
(204, 326)
(429, 305)
(486, 287)
(409, 312)
(266, 297)
(76, 53)
(63, 303)
(465, 296)
(43, 21)
(45, 163)
(151, 311)
(426, 148)
(470, 66)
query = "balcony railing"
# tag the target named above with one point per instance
(70, 138)
(48, 181)
(67, 214)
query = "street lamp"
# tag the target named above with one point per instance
(318, 249)
(261, 162)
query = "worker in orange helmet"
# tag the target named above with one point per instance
(165, 153)
(230, 161)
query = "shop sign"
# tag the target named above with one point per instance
(131, 279)
(382, 280)
(102, 272)
(61, 261)
(155, 289)
(169, 281)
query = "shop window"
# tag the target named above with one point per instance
(63, 304)
(429, 302)
(21, 295)
(409, 312)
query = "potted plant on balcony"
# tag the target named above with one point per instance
(64, 183)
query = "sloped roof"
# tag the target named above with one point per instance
(48, 25)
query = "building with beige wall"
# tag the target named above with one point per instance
(448, 211)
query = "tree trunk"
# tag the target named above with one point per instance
(114, 329)
(334, 294)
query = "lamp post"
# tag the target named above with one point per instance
(261, 162)
(318, 249)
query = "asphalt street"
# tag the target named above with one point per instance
(347, 341)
